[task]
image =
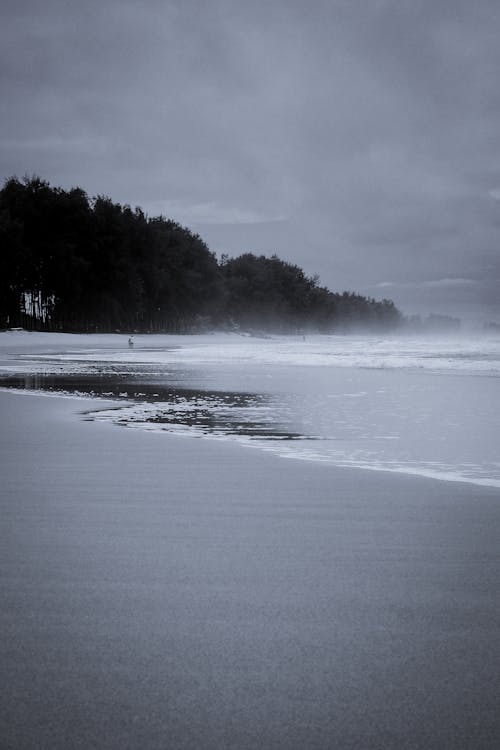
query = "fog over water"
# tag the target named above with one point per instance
(415, 405)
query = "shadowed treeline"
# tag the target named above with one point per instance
(74, 264)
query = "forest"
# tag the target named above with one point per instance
(70, 263)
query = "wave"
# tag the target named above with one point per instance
(479, 356)
(351, 401)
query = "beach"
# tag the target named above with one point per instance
(178, 592)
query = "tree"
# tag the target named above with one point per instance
(68, 263)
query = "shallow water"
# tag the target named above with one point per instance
(416, 406)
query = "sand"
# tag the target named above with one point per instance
(168, 592)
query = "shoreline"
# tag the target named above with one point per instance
(188, 593)
(116, 403)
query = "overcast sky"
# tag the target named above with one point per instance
(359, 139)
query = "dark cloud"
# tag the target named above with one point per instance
(357, 139)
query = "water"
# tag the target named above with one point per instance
(410, 405)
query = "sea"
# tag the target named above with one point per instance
(426, 406)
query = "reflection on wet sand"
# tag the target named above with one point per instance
(251, 415)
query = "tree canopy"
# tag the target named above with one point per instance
(72, 263)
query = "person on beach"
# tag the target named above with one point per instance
(131, 342)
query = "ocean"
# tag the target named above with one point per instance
(414, 405)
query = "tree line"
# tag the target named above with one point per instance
(70, 263)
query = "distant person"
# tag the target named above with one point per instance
(131, 342)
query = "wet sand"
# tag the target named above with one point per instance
(163, 592)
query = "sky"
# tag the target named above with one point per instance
(358, 139)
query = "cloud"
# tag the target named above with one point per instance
(450, 283)
(212, 213)
(429, 284)
(352, 138)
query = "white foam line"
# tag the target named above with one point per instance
(278, 448)
(77, 396)
(445, 476)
